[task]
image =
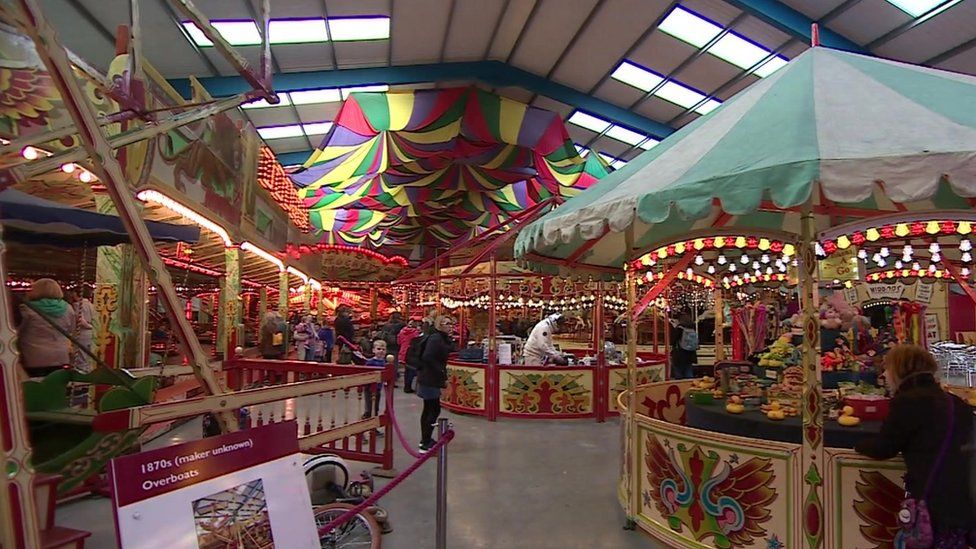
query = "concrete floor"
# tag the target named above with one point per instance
(519, 484)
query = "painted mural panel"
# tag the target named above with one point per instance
(548, 392)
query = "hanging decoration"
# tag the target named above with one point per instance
(430, 167)
(273, 178)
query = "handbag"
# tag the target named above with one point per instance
(914, 518)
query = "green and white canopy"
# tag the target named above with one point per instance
(847, 129)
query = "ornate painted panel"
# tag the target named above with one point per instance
(546, 392)
(715, 490)
(465, 387)
(863, 498)
(618, 380)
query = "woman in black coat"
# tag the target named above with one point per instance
(916, 426)
(682, 360)
(432, 377)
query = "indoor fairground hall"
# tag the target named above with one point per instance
(488, 274)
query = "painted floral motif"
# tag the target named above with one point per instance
(555, 393)
(463, 389)
(695, 489)
(647, 374)
(879, 500)
(671, 408)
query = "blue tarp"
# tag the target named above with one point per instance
(29, 219)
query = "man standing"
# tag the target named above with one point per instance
(390, 332)
(345, 334)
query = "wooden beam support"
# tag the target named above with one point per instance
(659, 287)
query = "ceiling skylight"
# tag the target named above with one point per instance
(280, 132)
(589, 122)
(689, 27)
(625, 135)
(672, 90)
(236, 33)
(649, 143)
(581, 150)
(357, 89)
(317, 128)
(636, 76)
(915, 8)
(359, 28)
(615, 163)
(308, 97)
(297, 31)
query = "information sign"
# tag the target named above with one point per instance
(245, 489)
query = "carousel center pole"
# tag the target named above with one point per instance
(719, 325)
(812, 450)
(492, 343)
(630, 430)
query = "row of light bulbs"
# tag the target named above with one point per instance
(33, 153)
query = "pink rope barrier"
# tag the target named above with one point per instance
(396, 426)
(348, 515)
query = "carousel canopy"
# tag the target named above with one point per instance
(30, 219)
(855, 133)
(432, 167)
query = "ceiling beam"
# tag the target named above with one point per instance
(794, 23)
(493, 73)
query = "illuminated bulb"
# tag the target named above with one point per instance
(68, 168)
(689, 271)
(876, 258)
(85, 176)
(769, 270)
(862, 254)
(899, 265)
(936, 258)
(818, 249)
(964, 271)
(699, 260)
(764, 258)
(725, 280)
(965, 245)
(744, 259)
(906, 258)
(931, 268)
(934, 247)
(782, 268)
(884, 252)
(721, 260)
(916, 266)
(907, 250)
(732, 267)
(711, 269)
(967, 257)
(882, 262)
(30, 153)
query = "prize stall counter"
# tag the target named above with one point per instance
(712, 487)
(542, 392)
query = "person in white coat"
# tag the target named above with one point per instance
(538, 347)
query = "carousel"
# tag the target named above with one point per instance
(829, 205)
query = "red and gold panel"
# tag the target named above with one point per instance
(465, 388)
(863, 498)
(546, 392)
(618, 380)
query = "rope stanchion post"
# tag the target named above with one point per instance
(442, 429)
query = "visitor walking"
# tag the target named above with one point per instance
(404, 338)
(390, 332)
(432, 377)
(327, 337)
(684, 347)
(43, 349)
(271, 338)
(345, 334)
(374, 393)
(933, 431)
(305, 338)
(83, 334)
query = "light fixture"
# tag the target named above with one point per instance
(309, 97)
(967, 257)
(317, 128)
(68, 168)
(281, 132)
(732, 267)
(964, 271)
(721, 260)
(297, 31)
(588, 121)
(744, 259)
(248, 247)
(965, 245)
(755, 265)
(167, 202)
(884, 252)
(764, 258)
(899, 264)
(699, 260)
(711, 269)
(934, 248)
(85, 176)
(916, 266)
(30, 153)
(236, 33)
(372, 88)
(936, 257)
(862, 254)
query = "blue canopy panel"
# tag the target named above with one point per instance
(32, 220)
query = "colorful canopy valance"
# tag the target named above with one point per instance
(430, 167)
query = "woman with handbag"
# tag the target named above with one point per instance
(432, 376)
(933, 431)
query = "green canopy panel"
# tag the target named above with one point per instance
(857, 134)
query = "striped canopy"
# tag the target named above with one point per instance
(857, 134)
(430, 167)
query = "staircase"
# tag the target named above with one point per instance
(52, 536)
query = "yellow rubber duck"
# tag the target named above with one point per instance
(775, 412)
(735, 405)
(847, 418)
